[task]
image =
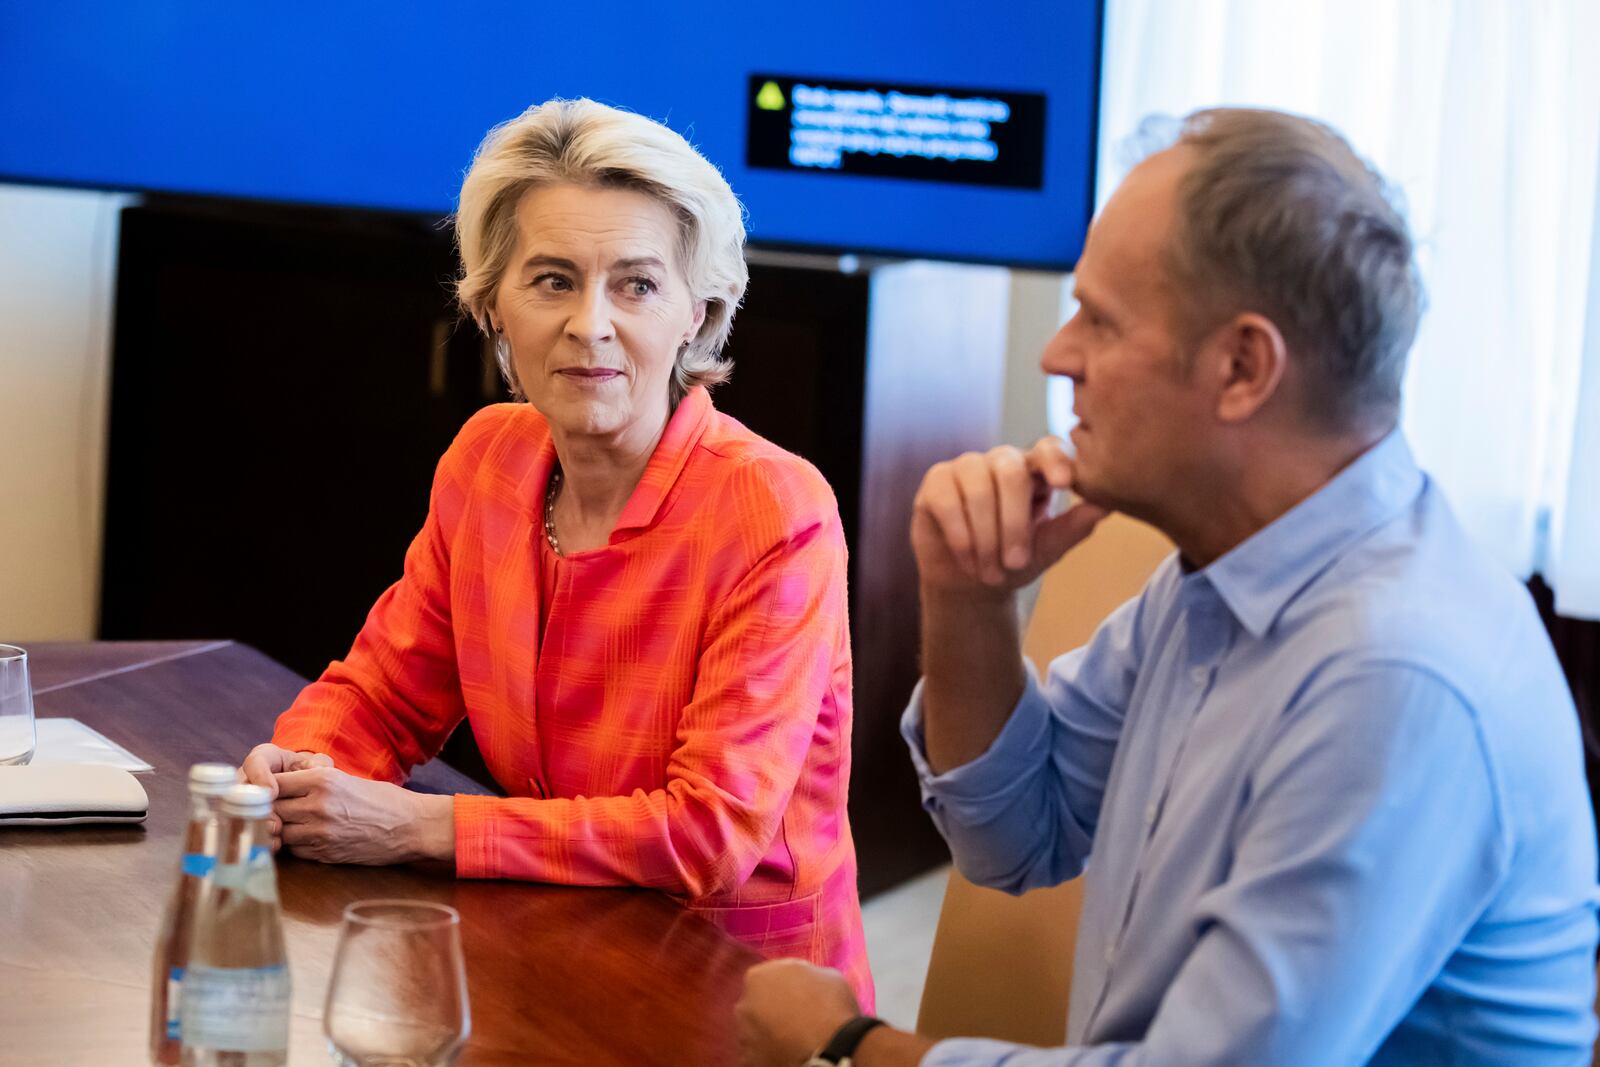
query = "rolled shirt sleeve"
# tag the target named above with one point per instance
(1023, 814)
(991, 809)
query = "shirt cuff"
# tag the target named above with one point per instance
(980, 784)
(477, 847)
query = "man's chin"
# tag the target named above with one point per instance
(1086, 490)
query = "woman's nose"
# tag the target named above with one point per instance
(590, 323)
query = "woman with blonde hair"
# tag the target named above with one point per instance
(637, 603)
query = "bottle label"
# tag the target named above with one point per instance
(174, 1003)
(256, 877)
(236, 1009)
(198, 864)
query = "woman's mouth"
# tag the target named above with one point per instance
(589, 375)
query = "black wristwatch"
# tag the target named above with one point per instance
(837, 1052)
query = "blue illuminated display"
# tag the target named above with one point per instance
(380, 105)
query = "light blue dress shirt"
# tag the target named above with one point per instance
(1330, 795)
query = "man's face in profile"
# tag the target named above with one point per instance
(1140, 413)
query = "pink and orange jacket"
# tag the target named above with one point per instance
(684, 723)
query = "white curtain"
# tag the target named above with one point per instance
(1575, 564)
(1486, 114)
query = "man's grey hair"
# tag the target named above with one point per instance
(1279, 216)
(588, 143)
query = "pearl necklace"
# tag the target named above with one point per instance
(550, 494)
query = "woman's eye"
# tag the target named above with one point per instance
(554, 282)
(639, 287)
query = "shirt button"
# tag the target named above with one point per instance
(1199, 675)
(1150, 816)
(1111, 954)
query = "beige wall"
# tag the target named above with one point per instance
(57, 261)
(1039, 305)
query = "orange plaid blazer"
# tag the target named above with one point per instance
(684, 722)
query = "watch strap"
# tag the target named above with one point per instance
(846, 1038)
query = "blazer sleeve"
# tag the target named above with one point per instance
(766, 666)
(393, 700)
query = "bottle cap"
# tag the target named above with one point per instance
(247, 801)
(212, 779)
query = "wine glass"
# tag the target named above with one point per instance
(398, 993)
(16, 707)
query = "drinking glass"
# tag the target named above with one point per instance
(16, 707)
(398, 993)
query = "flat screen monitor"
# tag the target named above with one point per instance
(942, 128)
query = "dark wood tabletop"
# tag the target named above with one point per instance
(556, 975)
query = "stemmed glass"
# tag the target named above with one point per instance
(16, 707)
(398, 993)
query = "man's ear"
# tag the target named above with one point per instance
(1248, 356)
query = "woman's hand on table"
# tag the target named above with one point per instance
(334, 817)
(262, 767)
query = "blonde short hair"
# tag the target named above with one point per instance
(587, 143)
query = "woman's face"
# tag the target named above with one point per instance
(595, 308)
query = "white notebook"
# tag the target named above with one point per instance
(68, 741)
(66, 794)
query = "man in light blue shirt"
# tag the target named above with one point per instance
(1323, 776)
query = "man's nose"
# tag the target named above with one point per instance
(1061, 355)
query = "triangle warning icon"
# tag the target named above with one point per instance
(770, 98)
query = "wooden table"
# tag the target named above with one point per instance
(556, 975)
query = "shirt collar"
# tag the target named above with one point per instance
(683, 432)
(1259, 577)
